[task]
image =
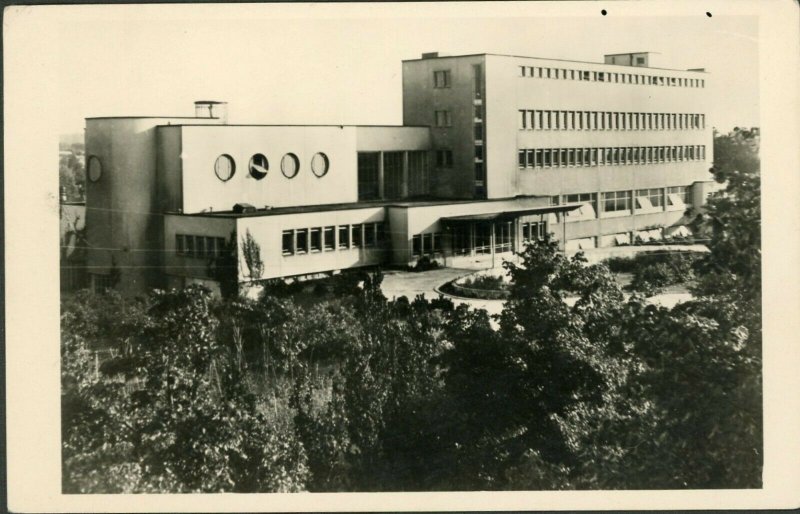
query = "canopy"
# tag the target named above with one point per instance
(501, 215)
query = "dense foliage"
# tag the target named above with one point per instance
(344, 390)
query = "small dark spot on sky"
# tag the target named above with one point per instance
(708, 14)
(603, 12)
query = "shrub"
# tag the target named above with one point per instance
(425, 264)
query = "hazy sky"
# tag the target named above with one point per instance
(331, 64)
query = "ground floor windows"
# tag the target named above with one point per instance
(534, 230)
(205, 247)
(317, 239)
(427, 243)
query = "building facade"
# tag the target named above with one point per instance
(493, 150)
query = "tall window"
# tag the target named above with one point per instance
(328, 238)
(357, 233)
(368, 188)
(302, 240)
(441, 78)
(315, 240)
(418, 173)
(287, 239)
(344, 236)
(392, 175)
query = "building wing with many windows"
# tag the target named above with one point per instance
(494, 150)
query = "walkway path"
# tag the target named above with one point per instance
(410, 284)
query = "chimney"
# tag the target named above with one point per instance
(211, 109)
(430, 55)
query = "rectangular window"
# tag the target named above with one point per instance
(380, 233)
(616, 201)
(608, 157)
(557, 120)
(369, 235)
(444, 158)
(547, 158)
(427, 243)
(522, 70)
(601, 77)
(572, 124)
(539, 120)
(180, 247)
(594, 120)
(443, 119)
(538, 159)
(328, 242)
(648, 199)
(441, 78)
(477, 79)
(316, 240)
(357, 236)
(678, 195)
(478, 112)
(523, 120)
(521, 158)
(344, 236)
(368, 175)
(416, 245)
(478, 132)
(531, 159)
(302, 240)
(563, 157)
(200, 246)
(593, 157)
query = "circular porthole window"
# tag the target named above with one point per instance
(259, 166)
(320, 164)
(290, 165)
(95, 168)
(224, 167)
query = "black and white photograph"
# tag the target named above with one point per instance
(404, 248)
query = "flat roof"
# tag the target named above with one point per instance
(151, 117)
(551, 59)
(365, 204)
(284, 125)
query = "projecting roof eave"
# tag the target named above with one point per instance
(490, 216)
(556, 60)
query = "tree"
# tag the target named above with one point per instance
(173, 413)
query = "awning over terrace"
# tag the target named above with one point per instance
(506, 215)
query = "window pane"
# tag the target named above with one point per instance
(288, 242)
(344, 236)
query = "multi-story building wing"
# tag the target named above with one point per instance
(494, 150)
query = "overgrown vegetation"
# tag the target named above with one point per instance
(353, 392)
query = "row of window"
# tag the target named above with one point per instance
(560, 157)
(429, 243)
(258, 167)
(533, 230)
(646, 199)
(600, 120)
(199, 246)
(607, 76)
(318, 239)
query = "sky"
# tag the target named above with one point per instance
(340, 64)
